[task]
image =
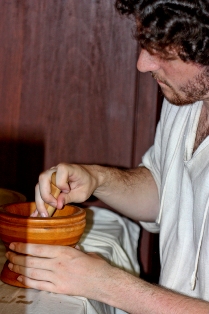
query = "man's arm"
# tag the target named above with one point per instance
(131, 192)
(136, 296)
(69, 271)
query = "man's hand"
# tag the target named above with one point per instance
(76, 182)
(58, 269)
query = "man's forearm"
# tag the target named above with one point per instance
(136, 296)
(131, 192)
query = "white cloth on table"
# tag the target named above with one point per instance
(106, 233)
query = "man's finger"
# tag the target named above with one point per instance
(33, 273)
(28, 261)
(37, 284)
(38, 250)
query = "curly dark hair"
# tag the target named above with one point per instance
(182, 25)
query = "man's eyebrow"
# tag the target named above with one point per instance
(168, 57)
(165, 54)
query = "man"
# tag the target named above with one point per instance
(170, 190)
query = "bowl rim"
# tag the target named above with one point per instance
(41, 222)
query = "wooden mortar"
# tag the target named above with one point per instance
(64, 228)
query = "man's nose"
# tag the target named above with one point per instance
(147, 62)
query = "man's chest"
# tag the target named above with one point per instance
(202, 129)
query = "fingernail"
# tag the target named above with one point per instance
(53, 204)
(10, 265)
(12, 246)
(19, 279)
(43, 215)
(35, 213)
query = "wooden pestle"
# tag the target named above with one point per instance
(55, 192)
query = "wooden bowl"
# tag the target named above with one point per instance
(9, 196)
(64, 228)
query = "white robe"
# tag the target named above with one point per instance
(183, 185)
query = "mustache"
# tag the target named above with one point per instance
(158, 78)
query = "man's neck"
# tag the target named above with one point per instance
(203, 125)
(206, 104)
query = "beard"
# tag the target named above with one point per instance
(194, 90)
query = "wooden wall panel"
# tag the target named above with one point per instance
(74, 71)
(67, 81)
(146, 112)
